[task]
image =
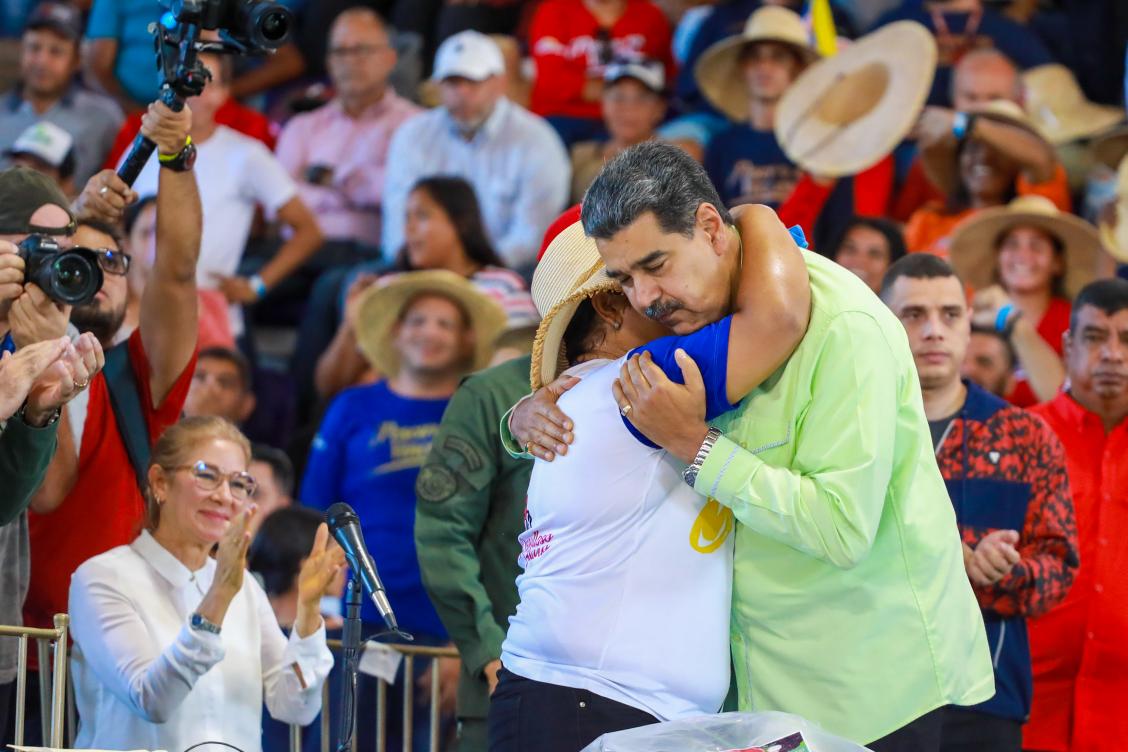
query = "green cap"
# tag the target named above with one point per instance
(22, 192)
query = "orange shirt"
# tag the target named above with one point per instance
(1079, 649)
(930, 226)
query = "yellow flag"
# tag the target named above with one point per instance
(822, 23)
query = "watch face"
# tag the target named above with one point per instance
(189, 156)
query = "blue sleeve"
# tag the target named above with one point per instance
(326, 464)
(708, 347)
(103, 23)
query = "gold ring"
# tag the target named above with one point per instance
(82, 384)
(528, 447)
(624, 409)
(104, 190)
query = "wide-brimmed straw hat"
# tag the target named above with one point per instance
(974, 243)
(1114, 229)
(569, 272)
(1110, 147)
(1060, 110)
(380, 308)
(939, 161)
(718, 71)
(846, 113)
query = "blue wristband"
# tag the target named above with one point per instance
(959, 125)
(258, 286)
(1002, 316)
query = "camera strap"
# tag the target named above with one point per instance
(125, 399)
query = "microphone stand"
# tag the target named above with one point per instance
(350, 650)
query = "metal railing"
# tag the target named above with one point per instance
(410, 654)
(52, 726)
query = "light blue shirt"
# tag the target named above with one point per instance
(127, 23)
(515, 162)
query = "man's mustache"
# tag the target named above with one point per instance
(660, 309)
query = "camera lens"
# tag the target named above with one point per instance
(75, 279)
(274, 26)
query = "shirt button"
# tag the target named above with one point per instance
(1104, 541)
(1099, 588)
(584, 704)
(1090, 635)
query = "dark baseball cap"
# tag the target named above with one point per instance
(63, 19)
(22, 192)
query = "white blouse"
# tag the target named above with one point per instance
(144, 679)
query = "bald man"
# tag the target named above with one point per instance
(337, 152)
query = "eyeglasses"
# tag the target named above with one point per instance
(359, 50)
(113, 262)
(208, 477)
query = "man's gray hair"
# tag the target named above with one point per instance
(653, 177)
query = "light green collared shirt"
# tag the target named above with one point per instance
(851, 606)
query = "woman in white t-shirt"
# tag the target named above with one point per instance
(625, 596)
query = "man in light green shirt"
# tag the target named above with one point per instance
(850, 605)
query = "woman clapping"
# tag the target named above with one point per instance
(173, 647)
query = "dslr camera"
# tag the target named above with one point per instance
(250, 26)
(72, 276)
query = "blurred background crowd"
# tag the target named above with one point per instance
(391, 137)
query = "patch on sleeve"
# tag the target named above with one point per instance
(436, 483)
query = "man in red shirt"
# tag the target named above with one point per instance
(573, 41)
(1079, 650)
(90, 501)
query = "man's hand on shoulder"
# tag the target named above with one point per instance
(669, 414)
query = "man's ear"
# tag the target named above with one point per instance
(714, 227)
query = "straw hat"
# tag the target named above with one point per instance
(1060, 110)
(846, 113)
(718, 71)
(569, 272)
(973, 245)
(1114, 233)
(939, 161)
(1110, 147)
(381, 306)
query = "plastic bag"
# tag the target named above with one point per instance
(727, 732)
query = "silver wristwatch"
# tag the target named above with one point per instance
(200, 624)
(689, 475)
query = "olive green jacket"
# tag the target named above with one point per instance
(25, 453)
(470, 509)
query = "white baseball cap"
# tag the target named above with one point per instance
(648, 73)
(45, 141)
(468, 54)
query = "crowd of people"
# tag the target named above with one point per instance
(352, 261)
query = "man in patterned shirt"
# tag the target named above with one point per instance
(1005, 471)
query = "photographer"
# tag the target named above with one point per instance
(43, 375)
(91, 501)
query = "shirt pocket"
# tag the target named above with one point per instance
(770, 439)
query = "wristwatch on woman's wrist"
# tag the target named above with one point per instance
(200, 624)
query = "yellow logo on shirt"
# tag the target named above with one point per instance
(711, 528)
(409, 445)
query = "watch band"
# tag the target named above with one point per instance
(689, 475)
(52, 420)
(257, 285)
(959, 125)
(200, 624)
(183, 160)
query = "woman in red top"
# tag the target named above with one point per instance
(572, 41)
(1040, 257)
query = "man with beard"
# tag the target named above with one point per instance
(850, 605)
(91, 501)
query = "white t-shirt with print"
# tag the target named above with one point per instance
(627, 571)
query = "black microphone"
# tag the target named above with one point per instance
(345, 527)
